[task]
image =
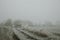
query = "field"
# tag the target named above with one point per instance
(18, 32)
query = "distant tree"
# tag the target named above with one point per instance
(8, 22)
(57, 23)
(29, 23)
(1, 24)
(17, 23)
(48, 24)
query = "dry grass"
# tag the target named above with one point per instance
(5, 34)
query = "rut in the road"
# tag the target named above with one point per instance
(15, 37)
(28, 36)
(37, 33)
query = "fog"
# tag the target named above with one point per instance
(33, 10)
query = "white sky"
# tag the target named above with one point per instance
(34, 10)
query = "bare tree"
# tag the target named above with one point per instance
(8, 22)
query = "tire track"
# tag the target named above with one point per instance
(30, 35)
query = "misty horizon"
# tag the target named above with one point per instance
(32, 10)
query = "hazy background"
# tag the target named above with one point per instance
(33, 10)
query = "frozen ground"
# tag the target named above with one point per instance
(38, 33)
(30, 33)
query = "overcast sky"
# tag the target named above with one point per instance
(34, 10)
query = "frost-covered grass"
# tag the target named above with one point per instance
(53, 33)
(47, 32)
(5, 33)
